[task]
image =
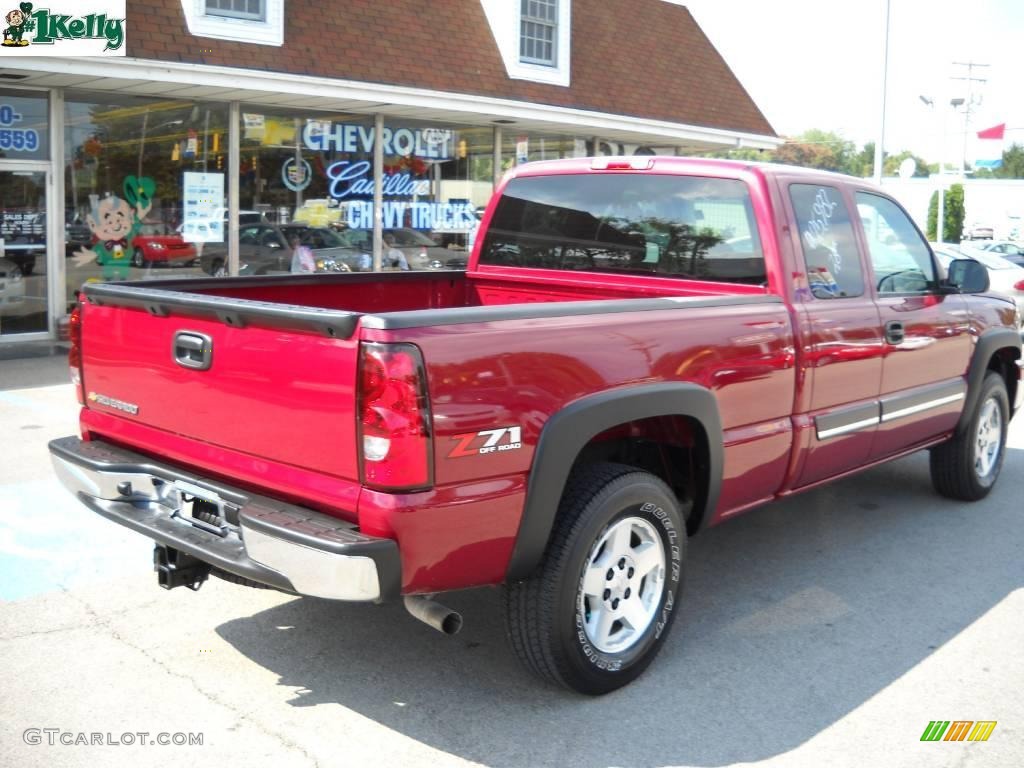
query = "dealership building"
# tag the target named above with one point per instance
(227, 120)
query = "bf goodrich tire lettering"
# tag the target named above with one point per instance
(597, 610)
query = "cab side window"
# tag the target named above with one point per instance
(900, 258)
(826, 237)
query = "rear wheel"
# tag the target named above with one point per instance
(967, 466)
(219, 269)
(597, 610)
(138, 258)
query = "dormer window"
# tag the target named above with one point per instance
(253, 10)
(258, 22)
(538, 32)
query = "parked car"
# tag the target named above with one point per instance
(420, 251)
(154, 245)
(331, 252)
(559, 418)
(979, 232)
(1004, 276)
(1007, 249)
(264, 249)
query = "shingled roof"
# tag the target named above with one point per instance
(638, 58)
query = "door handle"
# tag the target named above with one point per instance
(894, 332)
(193, 350)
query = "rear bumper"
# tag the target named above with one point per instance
(282, 545)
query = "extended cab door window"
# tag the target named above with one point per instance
(901, 259)
(830, 252)
(839, 335)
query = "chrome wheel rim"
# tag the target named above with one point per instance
(989, 439)
(622, 584)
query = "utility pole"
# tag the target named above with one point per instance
(971, 101)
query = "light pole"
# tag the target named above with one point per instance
(880, 144)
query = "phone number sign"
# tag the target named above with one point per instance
(16, 139)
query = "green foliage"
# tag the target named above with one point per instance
(820, 149)
(891, 167)
(1012, 167)
(952, 214)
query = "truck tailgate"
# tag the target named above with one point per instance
(279, 394)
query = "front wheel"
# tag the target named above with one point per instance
(966, 466)
(138, 258)
(597, 610)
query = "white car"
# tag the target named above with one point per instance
(1005, 277)
(1007, 249)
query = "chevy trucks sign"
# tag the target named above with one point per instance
(65, 29)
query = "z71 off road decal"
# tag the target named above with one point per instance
(487, 441)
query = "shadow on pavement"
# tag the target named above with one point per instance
(794, 615)
(35, 365)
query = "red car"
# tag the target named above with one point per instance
(153, 245)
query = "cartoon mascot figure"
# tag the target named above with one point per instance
(114, 223)
(20, 21)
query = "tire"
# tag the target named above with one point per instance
(565, 622)
(967, 466)
(138, 258)
(219, 269)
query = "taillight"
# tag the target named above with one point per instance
(1019, 285)
(75, 355)
(641, 163)
(394, 417)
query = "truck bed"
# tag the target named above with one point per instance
(372, 293)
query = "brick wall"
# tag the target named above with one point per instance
(642, 58)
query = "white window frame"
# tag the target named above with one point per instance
(553, 61)
(266, 31)
(221, 13)
(505, 20)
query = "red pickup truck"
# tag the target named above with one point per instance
(638, 349)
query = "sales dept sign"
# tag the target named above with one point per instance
(64, 28)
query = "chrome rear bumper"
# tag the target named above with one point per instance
(272, 542)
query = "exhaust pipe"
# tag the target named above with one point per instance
(436, 615)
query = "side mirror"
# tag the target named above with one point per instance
(967, 276)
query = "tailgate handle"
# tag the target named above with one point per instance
(193, 350)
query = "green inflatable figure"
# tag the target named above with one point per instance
(114, 223)
(20, 20)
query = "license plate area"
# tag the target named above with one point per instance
(200, 507)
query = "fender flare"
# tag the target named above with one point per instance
(989, 343)
(568, 431)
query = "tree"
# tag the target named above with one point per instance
(952, 214)
(892, 164)
(819, 149)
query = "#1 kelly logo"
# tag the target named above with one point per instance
(26, 26)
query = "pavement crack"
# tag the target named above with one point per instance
(104, 622)
(37, 633)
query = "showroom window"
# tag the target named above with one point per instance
(538, 31)
(145, 192)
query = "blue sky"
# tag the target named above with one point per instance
(819, 65)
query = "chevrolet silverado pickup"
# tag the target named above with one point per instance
(639, 348)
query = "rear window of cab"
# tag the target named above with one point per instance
(694, 227)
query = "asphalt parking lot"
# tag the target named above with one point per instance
(827, 629)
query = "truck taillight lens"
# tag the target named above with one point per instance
(75, 355)
(1019, 285)
(394, 417)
